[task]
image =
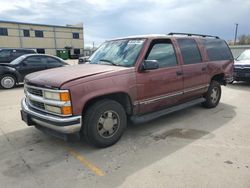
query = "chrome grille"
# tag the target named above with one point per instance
(37, 104)
(36, 100)
(34, 91)
(238, 70)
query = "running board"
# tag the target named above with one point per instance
(150, 116)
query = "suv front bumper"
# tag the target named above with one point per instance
(65, 125)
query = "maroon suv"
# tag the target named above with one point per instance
(139, 77)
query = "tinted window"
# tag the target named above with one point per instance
(5, 53)
(18, 53)
(76, 51)
(189, 51)
(217, 50)
(164, 53)
(40, 51)
(38, 33)
(33, 60)
(3, 31)
(26, 33)
(53, 60)
(75, 35)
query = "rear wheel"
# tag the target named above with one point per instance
(213, 95)
(104, 123)
(7, 81)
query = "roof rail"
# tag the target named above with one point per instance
(192, 34)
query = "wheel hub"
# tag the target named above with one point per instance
(7, 82)
(108, 124)
(214, 95)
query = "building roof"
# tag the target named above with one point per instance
(36, 24)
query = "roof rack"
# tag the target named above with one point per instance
(192, 34)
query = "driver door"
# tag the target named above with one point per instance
(160, 87)
(32, 64)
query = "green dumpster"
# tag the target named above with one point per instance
(64, 54)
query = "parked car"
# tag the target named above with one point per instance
(140, 78)
(242, 67)
(83, 60)
(8, 55)
(14, 72)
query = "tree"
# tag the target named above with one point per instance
(244, 39)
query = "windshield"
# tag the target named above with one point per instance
(244, 56)
(118, 53)
(17, 60)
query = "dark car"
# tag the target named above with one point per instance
(8, 55)
(242, 67)
(14, 72)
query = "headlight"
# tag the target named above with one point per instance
(59, 96)
(54, 109)
(64, 110)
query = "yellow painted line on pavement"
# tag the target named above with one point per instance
(97, 171)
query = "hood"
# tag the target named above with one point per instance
(242, 62)
(7, 65)
(59, 76)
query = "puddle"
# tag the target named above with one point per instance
(183, 133)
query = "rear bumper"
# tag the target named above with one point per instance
(65, 125)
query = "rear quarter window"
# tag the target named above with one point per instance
(217, 50)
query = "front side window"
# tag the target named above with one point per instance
(5, 53)
(164, 53)
(122, 52)
(38, 33)
(189, 51)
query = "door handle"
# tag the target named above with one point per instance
(178, 73)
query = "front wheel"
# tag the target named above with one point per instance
(213, 95)
(104, 123)
(7, 81)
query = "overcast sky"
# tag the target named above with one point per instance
(105, 19)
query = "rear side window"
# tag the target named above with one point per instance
(217, 50)
(163, 52)
(189, 51)
(33, 60)
(53, 60)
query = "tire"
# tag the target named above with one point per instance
(104, 123)
(7, 81)
(213, 95)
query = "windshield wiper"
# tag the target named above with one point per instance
(109, 61)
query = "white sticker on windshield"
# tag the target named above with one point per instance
(135, 42)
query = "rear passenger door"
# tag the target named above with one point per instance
(160, 87)
(194, 69)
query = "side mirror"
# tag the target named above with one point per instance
(149, 65)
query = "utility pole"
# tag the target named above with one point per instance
(93, 45)
(236, 31)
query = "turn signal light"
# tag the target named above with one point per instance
(64, 96)
(66, 110)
